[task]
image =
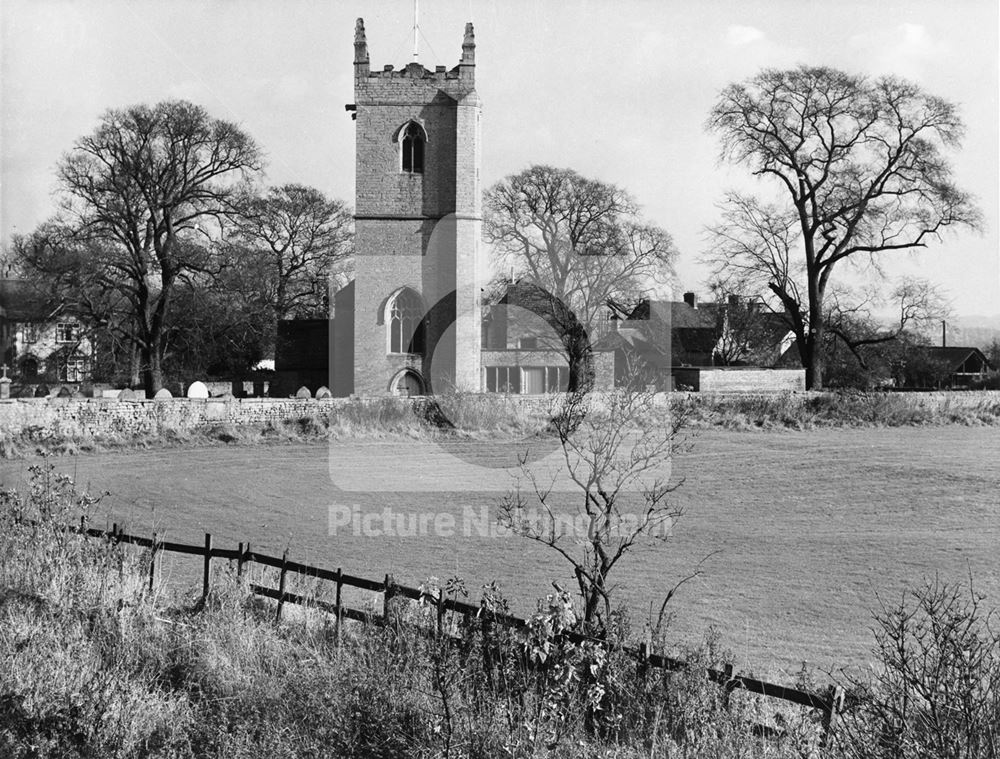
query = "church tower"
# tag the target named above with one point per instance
(418, 212)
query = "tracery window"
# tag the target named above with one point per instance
(405, 323)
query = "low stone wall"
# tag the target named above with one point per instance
(74, 417)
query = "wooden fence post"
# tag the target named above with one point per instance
(152, 563)
(207, 574)
(281, 585)
(645, 649)
(239, 561)
(835, 704)
(727, 685)
(386, 597)
(340, 616)
(440, 611)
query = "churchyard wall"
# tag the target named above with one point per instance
(42, 418)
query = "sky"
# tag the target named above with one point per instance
(618, 91)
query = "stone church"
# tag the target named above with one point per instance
(411, 322)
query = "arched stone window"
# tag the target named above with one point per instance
(412, 141)
(404, 314)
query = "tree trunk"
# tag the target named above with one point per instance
(152, 369)
(814, 359)
(135, 364)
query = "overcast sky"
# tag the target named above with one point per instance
(616, 90)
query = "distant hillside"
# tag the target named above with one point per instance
(977, 331)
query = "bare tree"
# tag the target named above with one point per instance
(293, 240)
(616, 451)
(580, 240)
(860, 164)
(144, 191)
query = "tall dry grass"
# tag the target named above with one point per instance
(93, 664)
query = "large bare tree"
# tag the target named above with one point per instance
(144, 191)
(860, 167)
(287, 246)
(581, 240)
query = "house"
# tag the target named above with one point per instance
(40, 341)
(670, 344)
(523, 346)
(963, 366)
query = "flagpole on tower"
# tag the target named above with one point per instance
(416, 28)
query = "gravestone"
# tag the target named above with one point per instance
(163, 395)
(64, 392)
(303, 392)
(4, 384)
(42, 391)
(128, 394)
(197, 390)
(323, 392)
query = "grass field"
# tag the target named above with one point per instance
(808, 525)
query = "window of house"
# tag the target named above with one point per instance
(413, 148)
(72, 369)
(405, 323)
(503, 379)
(30, 332)
(67, 332)
(528, 343)
(556, 379)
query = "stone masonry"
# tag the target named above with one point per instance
(417, 229)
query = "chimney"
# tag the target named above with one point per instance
(691, 300)
(734, 301)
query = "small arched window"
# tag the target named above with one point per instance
(404, 321)
(413, 148)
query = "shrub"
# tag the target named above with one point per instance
(935, 690)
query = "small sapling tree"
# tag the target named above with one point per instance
(615, 449)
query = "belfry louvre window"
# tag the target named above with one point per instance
(413, 148)
(405, 323)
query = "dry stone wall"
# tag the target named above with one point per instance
(44, 417)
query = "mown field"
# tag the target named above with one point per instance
(806, 526)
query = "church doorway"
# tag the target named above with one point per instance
(407, 384)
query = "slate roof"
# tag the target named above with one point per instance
(956, 356)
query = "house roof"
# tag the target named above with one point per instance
(677, 314)
(956, 356)
(23, 301)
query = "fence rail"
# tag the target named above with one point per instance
(829, 703)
